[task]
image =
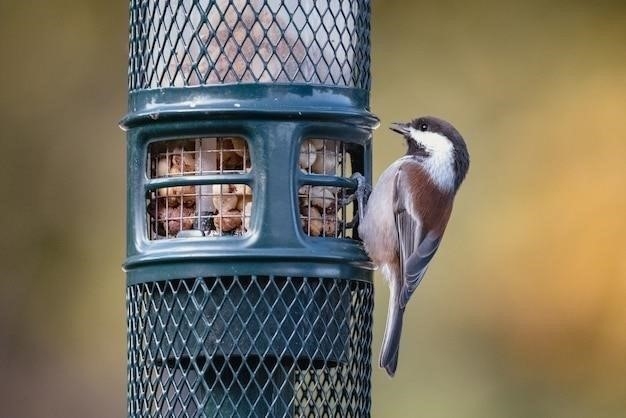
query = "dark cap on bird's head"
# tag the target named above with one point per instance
(428, 137)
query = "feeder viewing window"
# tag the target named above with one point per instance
(190, 209)
(323, 209)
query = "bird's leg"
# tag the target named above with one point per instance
(361, 195)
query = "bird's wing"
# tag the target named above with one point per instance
(416, 248)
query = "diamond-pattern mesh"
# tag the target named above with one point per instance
(175, 43)
(236, 346)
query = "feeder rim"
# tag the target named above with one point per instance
(250, 101)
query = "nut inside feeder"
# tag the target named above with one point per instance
(188, 210)
(323, 212)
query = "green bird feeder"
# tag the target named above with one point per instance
(249, 293)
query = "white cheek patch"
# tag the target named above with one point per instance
(440, 163)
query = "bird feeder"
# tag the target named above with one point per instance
(248, 290)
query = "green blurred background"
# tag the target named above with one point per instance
(523, 311)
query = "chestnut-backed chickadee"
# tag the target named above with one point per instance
(407, 213)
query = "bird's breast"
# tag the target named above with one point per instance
(377, 229)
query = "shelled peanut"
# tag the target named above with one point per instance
(178, 163)
(319, 156)
(172, 220)
(233, 155)
(318, 210)
(230, 201)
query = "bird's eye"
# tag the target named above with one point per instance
(423, 127)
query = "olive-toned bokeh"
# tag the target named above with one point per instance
(522, 313)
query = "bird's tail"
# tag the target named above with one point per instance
(391, 340)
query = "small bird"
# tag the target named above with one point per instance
(407, 213)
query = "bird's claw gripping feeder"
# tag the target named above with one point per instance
(248, 291)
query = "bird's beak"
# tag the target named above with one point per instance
(401, 128)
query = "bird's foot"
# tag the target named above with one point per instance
(361, 195)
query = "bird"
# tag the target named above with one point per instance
(407, 212)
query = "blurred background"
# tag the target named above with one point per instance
(522, 313)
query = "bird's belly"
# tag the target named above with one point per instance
(378, 227)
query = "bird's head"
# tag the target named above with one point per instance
(439, 147)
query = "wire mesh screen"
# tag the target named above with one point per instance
(325, 211)
(193, 42)
(236, 346)
(189, 210)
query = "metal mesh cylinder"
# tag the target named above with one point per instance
(248, 291)
(249, 346)
(188, 42)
